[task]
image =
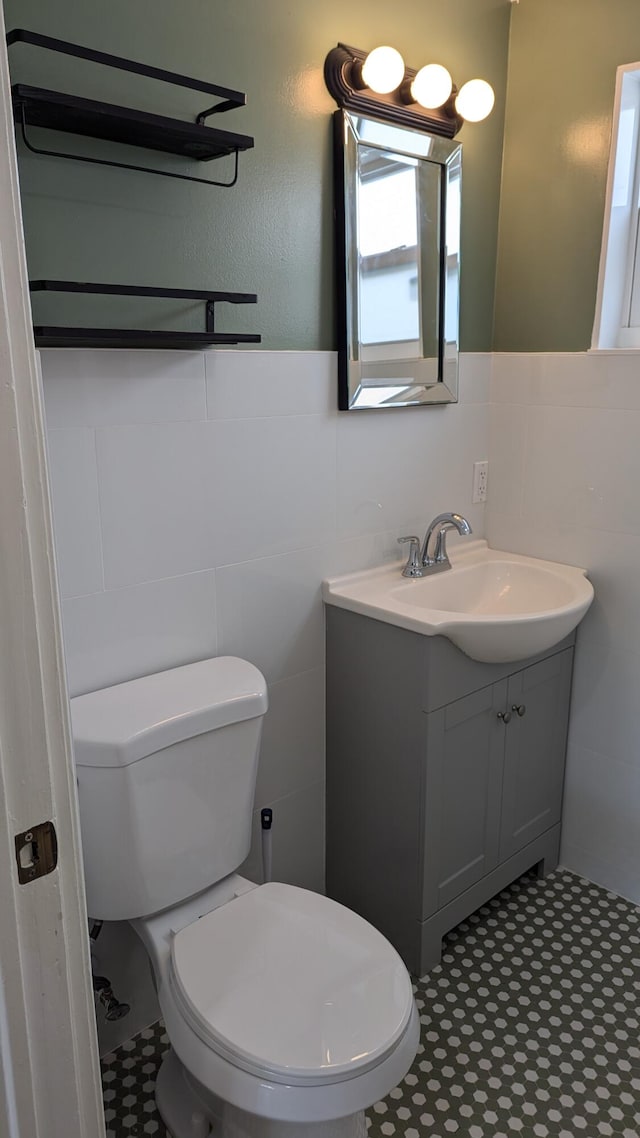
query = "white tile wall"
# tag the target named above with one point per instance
(298, 852)
(199, 500)
(270, 612)
(72, 469)
(293, 736)
(276, 482)
(275, 384)
(157, 501)
(564, 485)
(121, 633)
(105, 389)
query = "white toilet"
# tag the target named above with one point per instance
(287, 1013)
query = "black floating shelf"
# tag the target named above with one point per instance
(90, 118)
(54, 336)
(74, 115)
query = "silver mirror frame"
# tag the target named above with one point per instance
(419, 381)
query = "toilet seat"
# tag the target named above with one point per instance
(291, 987)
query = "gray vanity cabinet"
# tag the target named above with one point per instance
(435, 802)
(491, 787)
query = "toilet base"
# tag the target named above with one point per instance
(188, 1110)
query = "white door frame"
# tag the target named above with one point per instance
(49, 1068)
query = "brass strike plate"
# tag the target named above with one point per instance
(36, 852)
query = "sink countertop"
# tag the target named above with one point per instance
(494, 605)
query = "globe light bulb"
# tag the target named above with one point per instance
(383, 70)
(432, 86)
(475, 100)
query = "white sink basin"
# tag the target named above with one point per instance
(497, 607)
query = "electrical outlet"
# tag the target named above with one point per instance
(480, 480)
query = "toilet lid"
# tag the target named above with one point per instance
(291, 986)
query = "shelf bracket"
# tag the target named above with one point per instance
(217, 109)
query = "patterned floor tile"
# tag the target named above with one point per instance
(128, 1083)
(530, 1028)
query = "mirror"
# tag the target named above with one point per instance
(398, 254)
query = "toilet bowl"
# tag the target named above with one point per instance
(287, 1013)
(280, 1004)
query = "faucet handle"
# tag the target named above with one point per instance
(413, 568)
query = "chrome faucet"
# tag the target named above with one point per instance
(421, 562)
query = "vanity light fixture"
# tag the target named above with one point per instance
(378, 84)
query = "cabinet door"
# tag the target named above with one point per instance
(535, 751)
(462, 788)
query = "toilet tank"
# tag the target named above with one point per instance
(166, 768)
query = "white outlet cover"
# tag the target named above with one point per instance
(480, 480)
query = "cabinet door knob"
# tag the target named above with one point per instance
(520, 709)
(505, 716)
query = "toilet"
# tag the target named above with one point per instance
(287, 1013)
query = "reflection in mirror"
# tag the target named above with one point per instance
(398, 209)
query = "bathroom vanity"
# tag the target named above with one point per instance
(444, 776)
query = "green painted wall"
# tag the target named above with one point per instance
(272, 233)
(562, 69)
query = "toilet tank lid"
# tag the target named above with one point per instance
(119, 725)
